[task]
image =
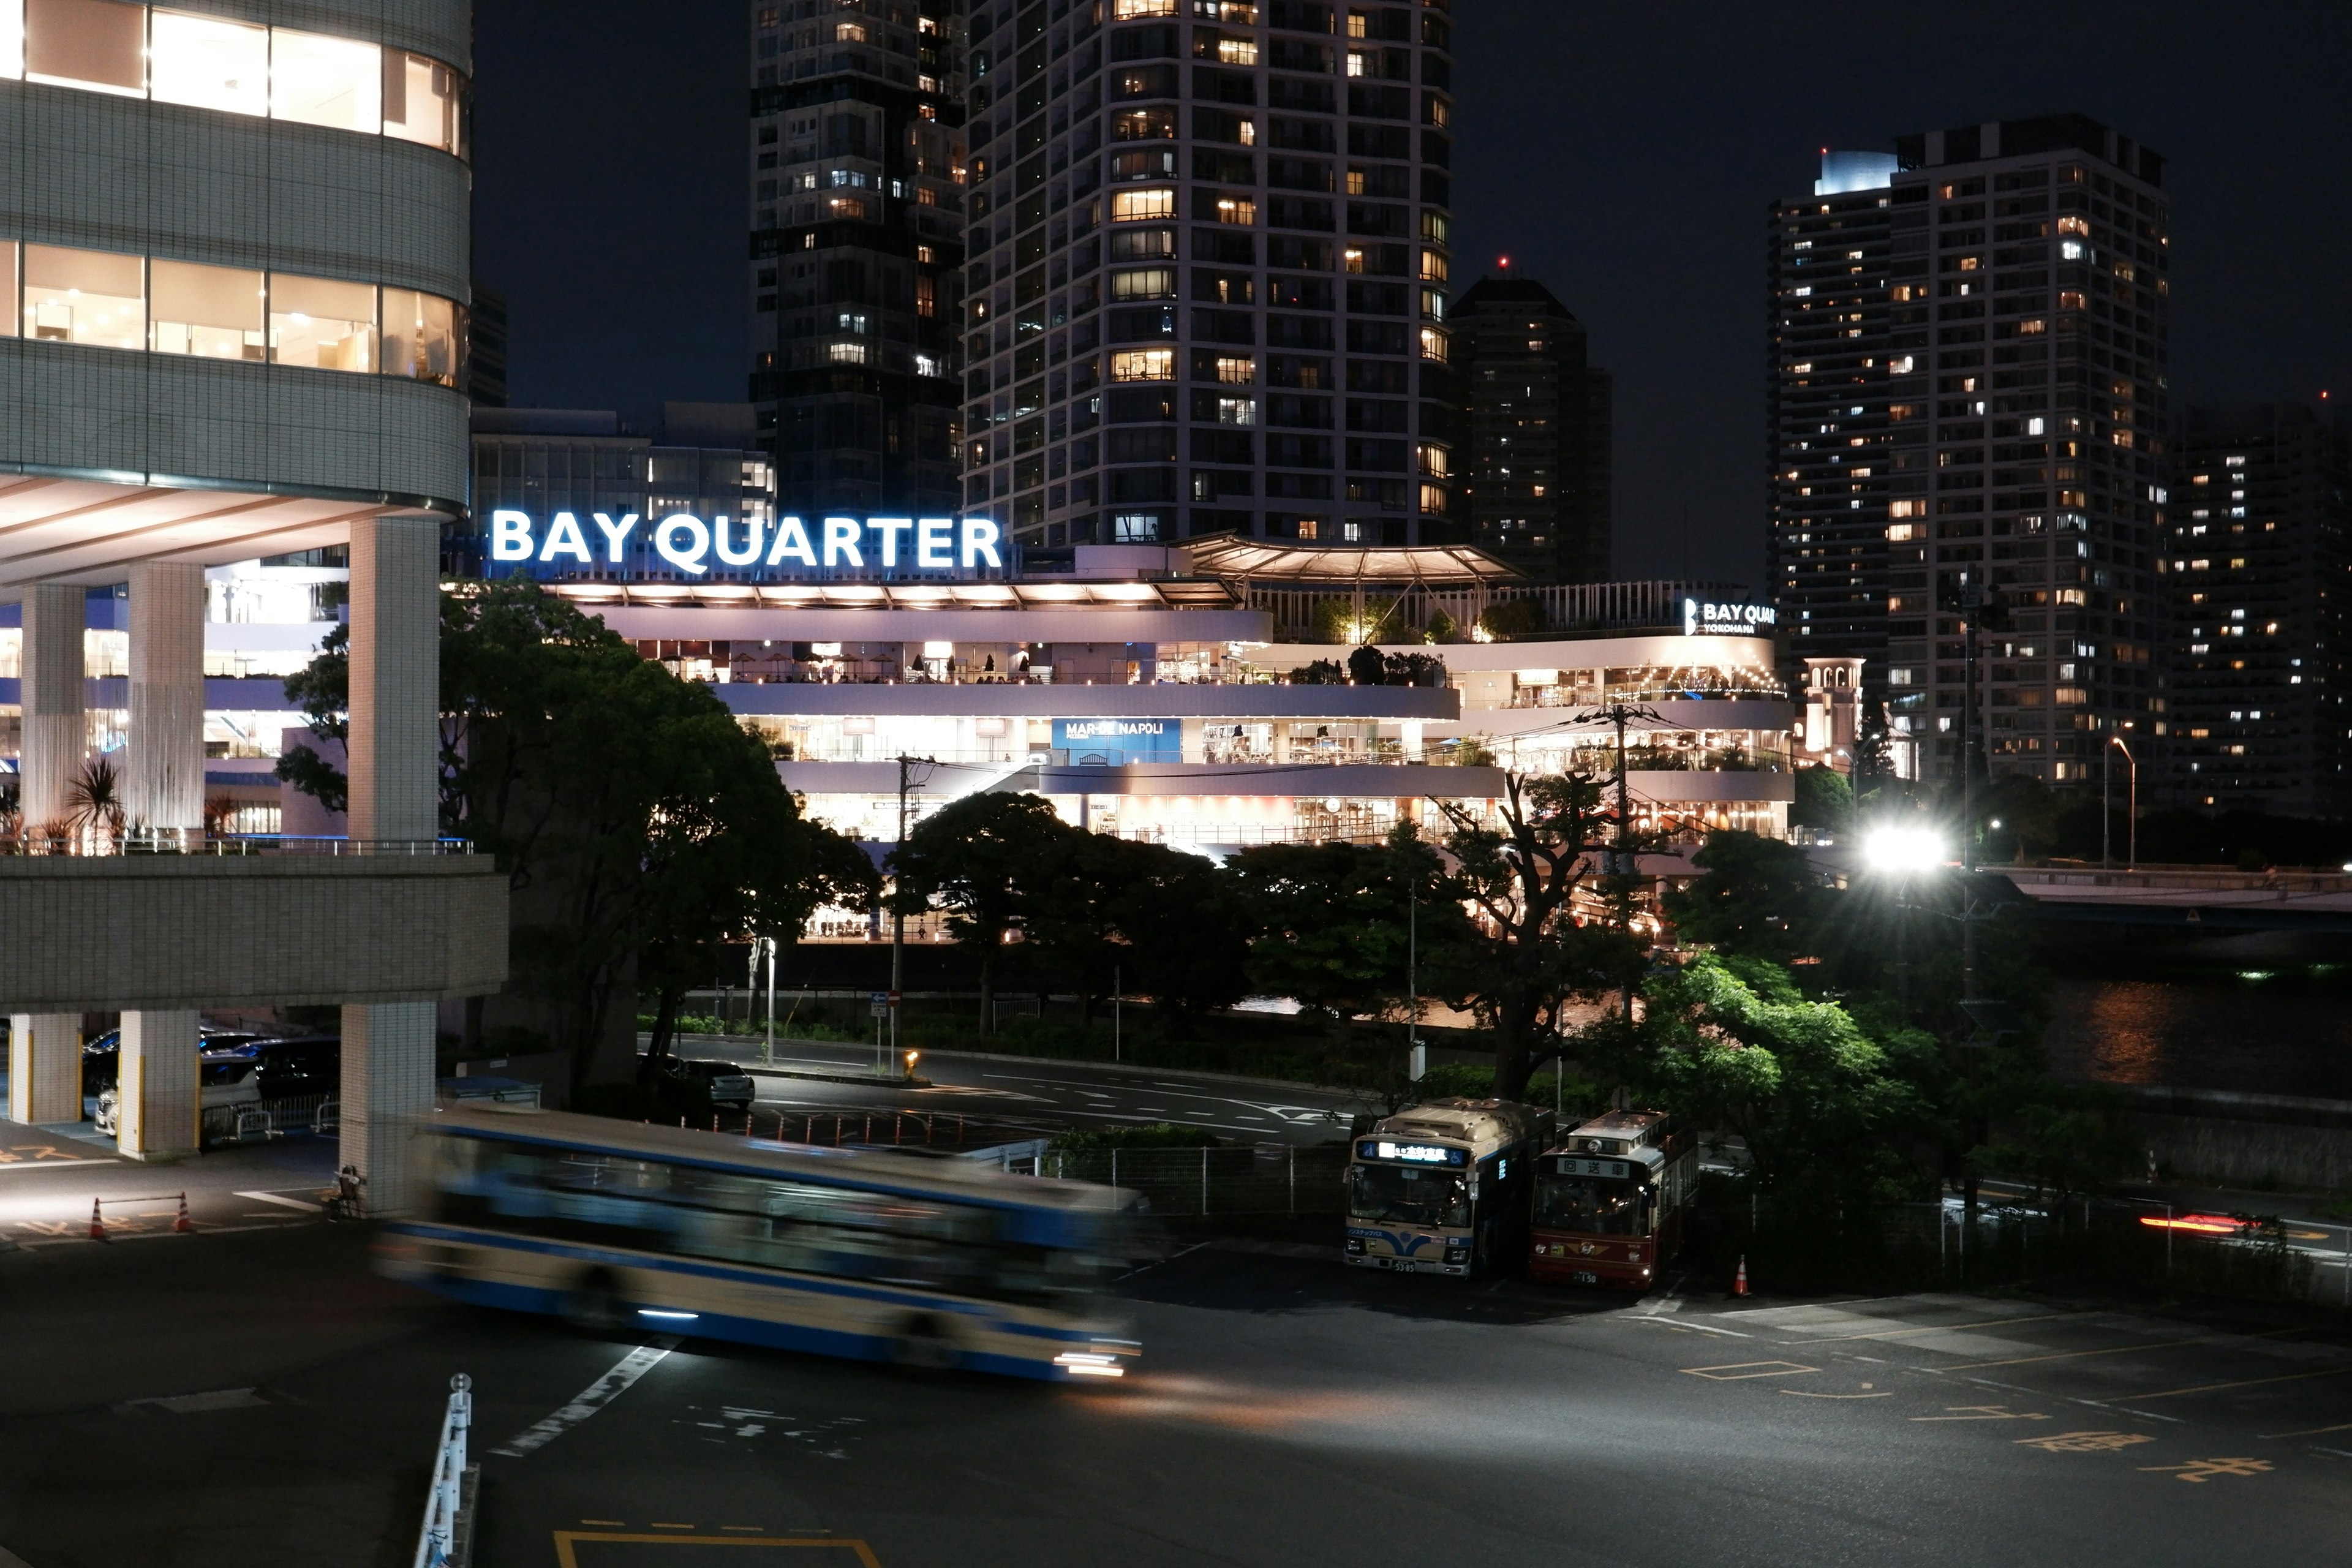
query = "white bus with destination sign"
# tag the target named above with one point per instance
(1442, 1188)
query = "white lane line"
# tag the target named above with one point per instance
(51, 1164)
(1686, 1323)
(274, 1199)
(588, 1401)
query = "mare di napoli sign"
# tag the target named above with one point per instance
(789, 546)
(1703, 618)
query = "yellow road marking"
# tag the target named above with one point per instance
(1985, 1413)
(1746, 1369)
(2119, 1349)
(566, 1541)
(2206, 1469)
(1801, 1394)
(2313, 1432)
(2248, 1383)
(1945, 1328)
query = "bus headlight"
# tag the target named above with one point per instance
(1089, 1364)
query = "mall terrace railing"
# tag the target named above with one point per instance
(169, 841)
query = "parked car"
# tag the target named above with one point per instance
(696, 1088)
(101, 1055)
(223, 1088)
(298, 1064)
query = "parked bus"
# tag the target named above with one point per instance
(618, 1226)
(1611, 1200)
(1442, 1188)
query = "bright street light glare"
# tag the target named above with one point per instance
(1903, 849)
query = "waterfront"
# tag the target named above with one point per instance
(2259, 1032)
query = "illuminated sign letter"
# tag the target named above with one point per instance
(792, 544)
(935, 543)
(890, 528)
(509, 536)
(563, 536)
(615, 533)
(749, 554)
(979, 537)
(840, 541)
(689, 559)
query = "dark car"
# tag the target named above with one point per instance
(101, 1055)
(288, 1069)
(687, 1086)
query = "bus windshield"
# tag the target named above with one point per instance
(1408, 1195)
(1593, 1206)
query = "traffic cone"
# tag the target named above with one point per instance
(184, 1225)
(1739, 1283)
(97, 1225)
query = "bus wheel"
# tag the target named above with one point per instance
(594, 1306)
(924, 1346)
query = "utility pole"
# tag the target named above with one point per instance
(908, 780)
(1622, 861)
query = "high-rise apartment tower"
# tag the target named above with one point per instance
(2260, 580)
(1537, 484)
(1209, 270)
(1978, 371)
(856, 154)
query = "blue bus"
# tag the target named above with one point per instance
(880, 1256)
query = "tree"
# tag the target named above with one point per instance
(1523, 956)
(1824, 800)
(1332, 923)
(1874, 750)
(94, 804)
(986, 858)
(1754, 896)
(1186, 931)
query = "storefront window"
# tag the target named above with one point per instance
(210, 63)
(84, 297)
(323, 321)
(320, 80)
(420, 336)
(93, 44)
(215, 312)
(420, 100)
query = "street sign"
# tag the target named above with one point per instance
(880, 1002)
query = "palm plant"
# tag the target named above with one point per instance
(94, 801)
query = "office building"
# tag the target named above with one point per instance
(1209, 271)
(2259, 667)
(236, 267)
(1536, 483)
(856, 171)
(2006, 392)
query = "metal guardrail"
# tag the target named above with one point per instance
(447, 1538)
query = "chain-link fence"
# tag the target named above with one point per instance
(1194, 1184)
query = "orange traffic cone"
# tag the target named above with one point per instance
(184, 1225)
(97, 1225)
(1739, 1283)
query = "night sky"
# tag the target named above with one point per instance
(1622, 153)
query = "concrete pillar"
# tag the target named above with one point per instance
(163, 787)
(45, 1048)
(395, 769)
(45, 1067)
(156, 1091)
(55, 733)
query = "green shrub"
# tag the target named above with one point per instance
(1150, 1135)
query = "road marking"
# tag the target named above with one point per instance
(8, 1164)
(1686, 1323)
(2206, 1469)
(588, 1401)
(1984, 1413)
(1944, 1327)
(2247, 1383)
(567, 1557)
(606, 1523)
(2313, 1432)
(2124, 1350)
(2084, 1442)
(274, 1199)
(1800, 1394)
(1737, 1370)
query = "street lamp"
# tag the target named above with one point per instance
(2106, 778)
(1903, 852)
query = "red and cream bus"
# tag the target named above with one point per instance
(1611, 1200)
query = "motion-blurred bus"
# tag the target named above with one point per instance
(1442, 1188)
(618, 1226)
(1611, 1200)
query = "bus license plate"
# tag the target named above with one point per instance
(1586, 1276)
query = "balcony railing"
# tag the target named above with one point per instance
(192, 841)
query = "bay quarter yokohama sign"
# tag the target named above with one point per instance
(1704, 617)
(789, 547)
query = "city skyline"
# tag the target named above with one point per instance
(1683, 137)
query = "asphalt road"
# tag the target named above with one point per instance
(1288, 1412)
(1041, 1089)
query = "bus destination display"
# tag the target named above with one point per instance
(1410, 1154)
(1570, 1166)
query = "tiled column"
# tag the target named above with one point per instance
(164, 795)
(45, 1048)
(396, 677)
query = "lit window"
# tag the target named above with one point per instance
(846, 353)
(319, 80)
(420, 336)
(1432, 345)
(1236, 210)
(209, 63)
(1143, 364)
(1237, 51)
(1150, 283)
(1310, 527)
(849, 32)
(1437, 462)
(87, 44)
(1433, 498)
(1433, 267)
(1122, 10)
(1236, 370)
(84, 297)
(322, 322)
(1237, 410)
(1129, 207)
(1359, 24)
(1352, 260)
(1359, 62)
(1134, 528)
(215, 312)
(420, 100)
